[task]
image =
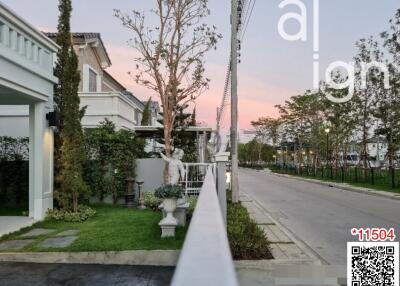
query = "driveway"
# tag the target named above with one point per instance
(21, 274)
(320, 216)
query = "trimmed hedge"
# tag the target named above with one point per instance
(247, 241)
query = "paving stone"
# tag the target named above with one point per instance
(15, 244)
(68, 232)
(38, 232)
(58, 242)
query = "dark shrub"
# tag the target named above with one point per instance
(247, 241)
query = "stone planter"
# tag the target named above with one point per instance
(169, 222)
(170, 207)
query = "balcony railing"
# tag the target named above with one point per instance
(206, 258)
(23, 45)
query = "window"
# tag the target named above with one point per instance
(92, 81)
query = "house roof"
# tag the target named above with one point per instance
(88, 38)
(114, 80)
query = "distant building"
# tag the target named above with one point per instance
(246, 135)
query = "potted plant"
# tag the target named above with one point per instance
(169, 194)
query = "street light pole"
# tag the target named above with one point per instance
(327, 130)
(234, 101)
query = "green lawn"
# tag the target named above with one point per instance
(111, 229)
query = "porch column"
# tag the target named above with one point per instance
(40, 162)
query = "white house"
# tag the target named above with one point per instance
(101, 93)
(26, 93)
(377, 148)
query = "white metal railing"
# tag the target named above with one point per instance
(194, 177)
(206, 257)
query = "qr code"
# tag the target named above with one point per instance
(373, 264)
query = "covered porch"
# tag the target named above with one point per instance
(26, 83)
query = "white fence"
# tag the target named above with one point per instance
(194, 177)
(206, 257)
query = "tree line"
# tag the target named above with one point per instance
(317, 130)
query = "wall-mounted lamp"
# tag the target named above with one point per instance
(53, 118)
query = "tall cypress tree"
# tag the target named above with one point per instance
(146, 116)
(69, 144)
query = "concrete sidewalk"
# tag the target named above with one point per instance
(10, 224)
(294, 262)
(284, 246)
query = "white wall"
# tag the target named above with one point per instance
(150, 171)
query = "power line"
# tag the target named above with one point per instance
(248, 20)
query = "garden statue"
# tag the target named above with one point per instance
(176, 169)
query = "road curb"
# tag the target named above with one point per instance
(344, 187)
(136, 257)
(314, 258)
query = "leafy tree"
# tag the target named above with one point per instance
(171, 55)
(365, 97)
(388, 101)
(341, 120)
(112, 157)
(296, 115)
(182, 139)
(71, 156)
(267, 128)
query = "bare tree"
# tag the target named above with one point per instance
(171, 54)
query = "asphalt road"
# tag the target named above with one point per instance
(320, 216)
(30, 274)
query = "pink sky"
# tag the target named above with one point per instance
(253, 94)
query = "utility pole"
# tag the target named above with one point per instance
(218, 148)
(234, 102)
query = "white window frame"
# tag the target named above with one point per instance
(86, 77)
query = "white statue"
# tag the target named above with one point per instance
(175, 166)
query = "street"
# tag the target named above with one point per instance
(20, 274)
(320, 216)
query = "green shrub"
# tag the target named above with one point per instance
(246, 239)
(151, 201)
(192, 205)
(169, 192)
(83, 214)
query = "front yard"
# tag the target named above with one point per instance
(113, 228)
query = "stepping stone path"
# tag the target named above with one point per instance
(15, 244)
(58, 242)
(69, 232)
(38, 232)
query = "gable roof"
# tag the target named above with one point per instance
(93, 39)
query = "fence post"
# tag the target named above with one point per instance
(372, 177)
(392, 175)
(356, 174)
(221, 159)
(342, 169)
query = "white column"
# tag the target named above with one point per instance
(40, 162)
(221, 159)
